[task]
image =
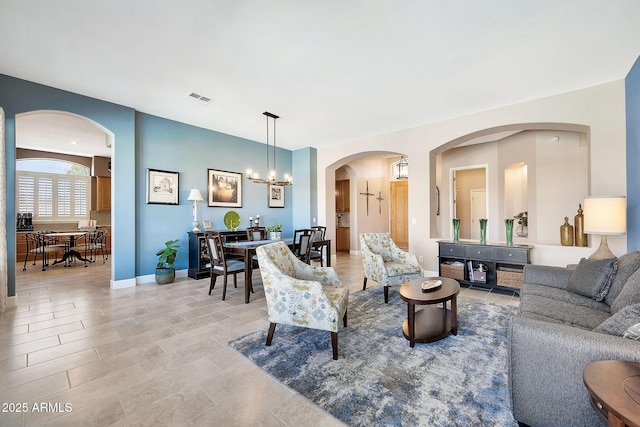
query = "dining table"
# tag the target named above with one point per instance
(70, 238)
(248, 249)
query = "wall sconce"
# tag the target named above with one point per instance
(196, 196)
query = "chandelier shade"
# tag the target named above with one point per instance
(271, 177)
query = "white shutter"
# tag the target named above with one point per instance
(80, 197)
(45, 197)
(64, 197)
(26, 193)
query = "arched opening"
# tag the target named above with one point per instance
(64, 196)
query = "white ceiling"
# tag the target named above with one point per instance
(335, 70)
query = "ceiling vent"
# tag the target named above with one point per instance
(199, 97)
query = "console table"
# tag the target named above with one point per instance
(198, 256)
(504, 264)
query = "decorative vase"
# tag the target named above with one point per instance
(456, 229)
(164, 276)
(275, 235)
(578, 222)
(566, 233)
(508, 225)
(483, 231)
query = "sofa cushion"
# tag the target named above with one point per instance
(592, 278)
(628, 264)
(564, 312)
(630, 293)
(562, 295)
(620, 322)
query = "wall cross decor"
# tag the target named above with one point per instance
(379, 199)
(368, 195)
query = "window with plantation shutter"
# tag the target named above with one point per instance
(53, 197)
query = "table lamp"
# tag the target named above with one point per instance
(196, 196)
(605, 215)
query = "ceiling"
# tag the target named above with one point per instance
(335, 71)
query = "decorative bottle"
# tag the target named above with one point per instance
(566, 233)
(483, 231)
(578, 222)
(456, 229)
(508, 225)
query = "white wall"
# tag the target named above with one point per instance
(601, 108)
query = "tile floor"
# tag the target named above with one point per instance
(75, 352)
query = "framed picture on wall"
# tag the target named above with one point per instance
(224, 189)
(162, 187)
(276, 196)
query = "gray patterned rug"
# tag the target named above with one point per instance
(379, 380)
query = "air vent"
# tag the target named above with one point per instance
(204, 99)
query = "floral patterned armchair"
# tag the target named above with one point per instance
(386, 263)
(301, 295)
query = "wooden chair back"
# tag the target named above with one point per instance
(302, 242)
(215, 249)
(256, 233)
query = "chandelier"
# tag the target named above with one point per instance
(272, 174)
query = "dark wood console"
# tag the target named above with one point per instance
(503, 264)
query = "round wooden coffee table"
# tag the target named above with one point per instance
(431, 323)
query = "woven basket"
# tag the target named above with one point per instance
(452, 271)
(511, 277)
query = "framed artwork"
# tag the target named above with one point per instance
(206, 224)
(162, 187)
(276, 196)
(224, 189)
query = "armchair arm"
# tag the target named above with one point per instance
(373, 264)
(405, 257)
(324, 275)
(557, 277)
(545, 370)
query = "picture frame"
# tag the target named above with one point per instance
(163, 187)
(224, 189)
(206, 224)
(276, 196)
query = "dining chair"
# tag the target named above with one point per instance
(39, 244)
(298, 294)
(219, 265)
(302, 242)
(315, 253)
(92, 243)
(256, 233)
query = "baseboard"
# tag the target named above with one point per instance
(122, 284)
(151, 278)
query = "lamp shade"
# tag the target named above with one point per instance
(605, 215)
(195, 195)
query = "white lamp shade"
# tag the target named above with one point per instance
(195, 195)
(605, 215)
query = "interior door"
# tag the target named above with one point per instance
(400, 213)
(478, 211)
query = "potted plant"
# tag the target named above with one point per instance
(275, 231)
(166, 267)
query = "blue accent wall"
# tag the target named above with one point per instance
(632, 100)
(305, 203)
(19, 96)
(169, 145)
(143, 141)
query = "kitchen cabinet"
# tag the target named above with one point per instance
(343, 236)
(100, 193)
(343, 199)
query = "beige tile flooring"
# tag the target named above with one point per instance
(149, 355)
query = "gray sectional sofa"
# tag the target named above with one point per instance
(567, 319)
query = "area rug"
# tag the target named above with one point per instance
(379, 380)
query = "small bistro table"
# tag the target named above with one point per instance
(69, 253)
(431, 323)
(614, 391)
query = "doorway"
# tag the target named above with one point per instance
(469, 186)
(400, 213)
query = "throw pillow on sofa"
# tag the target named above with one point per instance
(630, 293)
(628, 264)
(593, 278)
(621, 322)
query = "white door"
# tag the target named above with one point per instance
(478, 211)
